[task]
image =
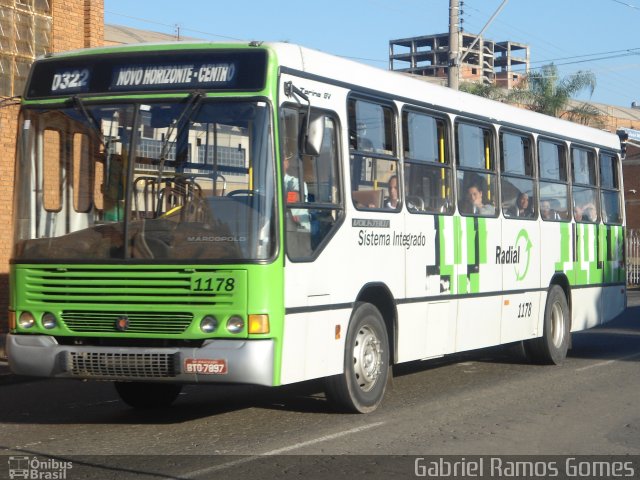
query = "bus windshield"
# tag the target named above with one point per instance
(185, 181)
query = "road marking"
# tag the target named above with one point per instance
(608, 362)
(278, 451)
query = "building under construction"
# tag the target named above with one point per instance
(502, 63)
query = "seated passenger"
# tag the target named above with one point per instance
(475, 203)
(523, 207)
(585, 213)
(546, 212)
(393, 200)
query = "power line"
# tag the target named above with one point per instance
(172, 26)
(626, 4)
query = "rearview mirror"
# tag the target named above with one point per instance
(314, 135)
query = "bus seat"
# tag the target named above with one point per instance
(367, 198)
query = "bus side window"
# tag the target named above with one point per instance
(554, 184)
(374, 166)
(610, 189)
(518, 181)
(427, 168)
(311, 187)
(477, 187)
(585, 198)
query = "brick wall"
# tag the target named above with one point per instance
(8, 126)
(76, 24)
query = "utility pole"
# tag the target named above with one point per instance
(454, 44)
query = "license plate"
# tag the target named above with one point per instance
(205, 366)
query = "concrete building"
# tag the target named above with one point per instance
(504, 63)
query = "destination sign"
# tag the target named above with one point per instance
(155, 71)
(191, 75)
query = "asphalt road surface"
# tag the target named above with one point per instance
(488, 402)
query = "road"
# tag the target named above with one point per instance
(489, 402)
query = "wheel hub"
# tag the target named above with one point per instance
(367, 358)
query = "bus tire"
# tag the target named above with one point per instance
(361, 386)
(552, 347)
(143, 395)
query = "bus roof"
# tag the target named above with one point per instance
(356, 75)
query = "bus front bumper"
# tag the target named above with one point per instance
(217, 361)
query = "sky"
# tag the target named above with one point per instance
(593, 35)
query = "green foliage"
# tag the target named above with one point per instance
(543, 91)
(484, 90)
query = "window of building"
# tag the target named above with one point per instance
(25, 33)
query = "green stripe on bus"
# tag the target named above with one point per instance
(471, 241)
(482, 239)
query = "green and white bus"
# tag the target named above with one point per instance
(268, 214)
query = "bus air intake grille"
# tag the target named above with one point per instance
(138, 322)
(172, 287)
(121, 365)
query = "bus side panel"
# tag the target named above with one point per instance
(587, 292)
(557, 244)
(311, 348)
(613, 296)
(585, 308)
(425, 330)
(479, 316)
(519, 254)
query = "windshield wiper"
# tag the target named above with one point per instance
(195, 98)
(93, 123)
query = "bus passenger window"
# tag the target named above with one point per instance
(610, 189)
(374, 170)
(583, 172)
(518, 182)
(477, 184)
(554, 185)
(427, 169)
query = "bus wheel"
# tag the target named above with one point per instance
(144, 395)
(552, 347)
(361, 386)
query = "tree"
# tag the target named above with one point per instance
(543, 91)
(486, 90)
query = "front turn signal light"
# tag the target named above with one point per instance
(259, 323)
(12, 321)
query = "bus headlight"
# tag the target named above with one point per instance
(26, 320)
(49, 321)
(209, 324)
(235, 324)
